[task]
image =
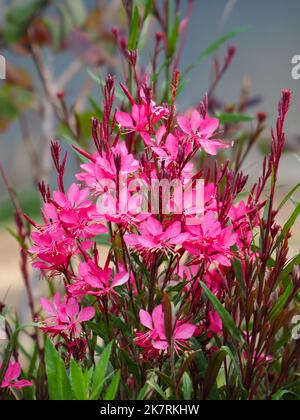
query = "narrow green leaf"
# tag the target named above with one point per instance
(58, 381)
(213, 370)
(134, 30)
(228, 322)
(187, 387)
(282, 300)
(234, 118)
(100, 372)
(157, 388)
(288, 226)
(288, 196)
(78, 382)
(113, 387)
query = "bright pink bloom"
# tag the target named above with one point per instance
(153, 237)
(165, 147)
(156, 336)
(201, 130)
(11, 377)
(66, 316)
(142, 117)
(209, 242)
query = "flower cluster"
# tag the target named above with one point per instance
(200, 241)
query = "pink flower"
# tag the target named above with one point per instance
(156, 336)
(97, 282)
(165, 147)
(153, 237)
(66, 316)
(201, 130)
(142, 117)
(209, 242)
(11, 377)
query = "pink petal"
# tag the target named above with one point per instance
(185, 125)
(184, 332)
(145, 319)
(120, 279)
(73, 194)
(94, 282)
(160, 345)
(124, 120)
(196, 120)
(21, 384)
(13, 371)
(172, 145)
(86, 314)
(60, 199)
(47, 307)
(209, 126)
(154, 227)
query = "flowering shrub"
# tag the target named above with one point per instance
(197, 293)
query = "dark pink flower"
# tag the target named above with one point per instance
(65, 316)
(201, 131)
(210, 242)
(153, 237)
(156, 336)
(11, 377)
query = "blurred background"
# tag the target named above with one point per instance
(51, 47)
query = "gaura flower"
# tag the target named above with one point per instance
(66, 316)
(153, 237)
(209, 242)
(201, 130)
(11, 376)
(156, 336)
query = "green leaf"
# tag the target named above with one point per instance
(281, 393)
(282, 300)
(173, 37)
(142, 394)
(288, 196)
(228, 322)
(187, 387)
(289, 268)
(78, 11)
(78, 382)
(228, 118)
(213, 370)
(288, 226)
(113, 387)
(100, 372)
(134, 30)
(58, 381)
(157, 388)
